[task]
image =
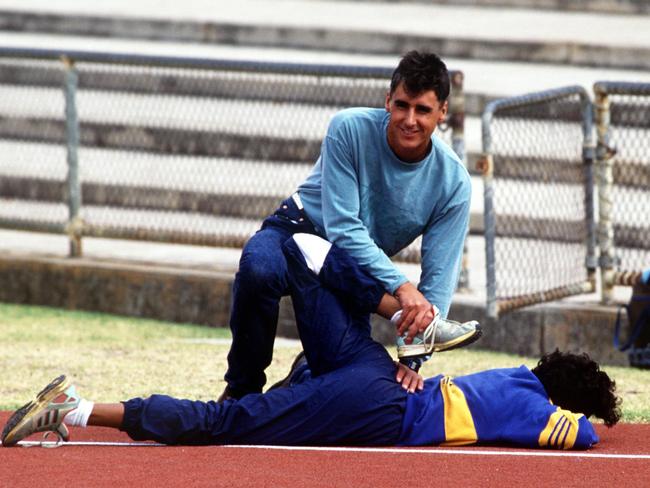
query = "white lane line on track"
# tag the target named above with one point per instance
(383, 450)
(465, 452)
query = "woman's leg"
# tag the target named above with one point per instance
(335, 331)
(107, 415)
(359, 404)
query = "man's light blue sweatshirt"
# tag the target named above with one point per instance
(367, 201)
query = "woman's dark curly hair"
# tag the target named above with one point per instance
(575, 382)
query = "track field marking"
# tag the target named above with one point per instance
(465, 452)
(382, 450)
(88, 443)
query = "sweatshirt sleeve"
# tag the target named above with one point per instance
(587, 436)
(442, 251)
(341, 221)
(567, 430)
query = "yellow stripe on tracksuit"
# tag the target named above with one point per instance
(561, 430)
(459, 424)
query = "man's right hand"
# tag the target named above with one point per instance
(417, 312)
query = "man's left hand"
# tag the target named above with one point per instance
(409, 379)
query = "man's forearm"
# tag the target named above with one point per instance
(442, 250)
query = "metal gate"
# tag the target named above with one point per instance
(537, 162)
(623, 157)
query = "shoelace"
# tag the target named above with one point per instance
(430, 335)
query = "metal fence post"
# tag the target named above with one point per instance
(588, 158)
(75, 225)
(486, 166)
(457, 115)
(457, 125)
(605, 182)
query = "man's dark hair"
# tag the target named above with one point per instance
(575, 382)
(421, 72)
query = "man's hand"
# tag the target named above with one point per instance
(417, 312)
(409, 379)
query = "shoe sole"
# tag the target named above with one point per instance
(24, 413)
(285, 381)
(419, 350)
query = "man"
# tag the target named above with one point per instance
(345, 392)
(382, 179)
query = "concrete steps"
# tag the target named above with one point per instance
(575, 38)
(484, 80)
(618, 7)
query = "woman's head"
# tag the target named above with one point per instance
(575, 382)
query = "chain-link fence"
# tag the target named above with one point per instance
(32, 145)
(623, 123)
(169, 149)
(539, 224)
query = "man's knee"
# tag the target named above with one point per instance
(262, 272)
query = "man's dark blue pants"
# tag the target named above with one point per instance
(350, 397)
(260, 283)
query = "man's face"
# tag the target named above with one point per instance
(412, 121)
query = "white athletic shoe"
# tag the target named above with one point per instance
(44, 414)
(441, 335)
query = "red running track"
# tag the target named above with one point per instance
(98, 466)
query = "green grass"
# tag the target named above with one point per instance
(114, 358)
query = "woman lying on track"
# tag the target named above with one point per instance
(345, 392)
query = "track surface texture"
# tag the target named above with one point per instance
(485, 466)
